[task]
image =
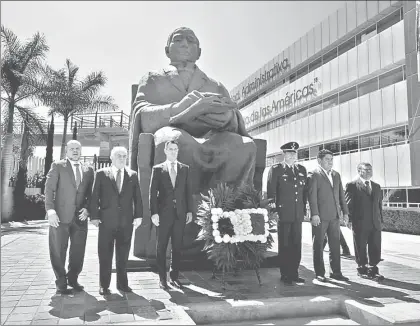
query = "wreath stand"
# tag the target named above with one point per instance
(235, 273)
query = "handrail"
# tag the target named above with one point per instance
(101, 120)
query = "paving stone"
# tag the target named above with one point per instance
(45, 322)
(29, 303)
(22, 317)
(25, 310)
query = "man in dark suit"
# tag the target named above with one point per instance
(326, 202)
(67, 191)
(364, 199)
(171, 206)
(115, 207)
(286, 184)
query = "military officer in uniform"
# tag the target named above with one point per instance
(286, 185)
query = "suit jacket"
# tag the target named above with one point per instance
(288, 188)
(365, 210)
(326, 200)
(61, 193)
(163, 194)
(113, 208)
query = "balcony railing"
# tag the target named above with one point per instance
(101, 120)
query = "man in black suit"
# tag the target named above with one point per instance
(364, 199)
(67, 191)
(286, 184)
(327, 203)
(171, 206)
(115, 207)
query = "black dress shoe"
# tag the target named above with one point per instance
(339, 277)
(124, 288)
(163, 285)
(76, 286)
(287, 281)
(104, 291)
(298, 279)
(321, 278)
(376, 277)
(63, 290)
(176, 283)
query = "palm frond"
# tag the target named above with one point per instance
(72, 70)
(93, 82)
(10, 41)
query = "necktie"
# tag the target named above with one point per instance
(119, 180)
(173, 174)
(78, 175)
(368, 187)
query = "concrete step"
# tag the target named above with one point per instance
(235, 311)
(320, 320)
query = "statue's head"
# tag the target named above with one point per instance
(183, 46)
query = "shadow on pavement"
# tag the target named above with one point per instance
(23, 230)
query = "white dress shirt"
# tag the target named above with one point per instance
(329, 175)
(364, 182)
(114, 172)
(169, 165)
(74, 169)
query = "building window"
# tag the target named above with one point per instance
(366, 34)
(389, 20)
(348, 94)
(333, 147)
(368, 87)
(349, 145)
(329, 56)
(292, 77)
(413, 197)
(302, 113)
(391, 77)
(303, 154)
(393, 136)
(302, 72)
(313, 151)
(330, 102)
(315, 64)
(346, 46)
(370, 140)
(315, 107)
(396, 196)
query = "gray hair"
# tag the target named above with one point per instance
(73, 141)
(118, 149)
(363, 164)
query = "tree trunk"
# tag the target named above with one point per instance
(6, 165)
(21, 180)
(48, 152)
(63, 140)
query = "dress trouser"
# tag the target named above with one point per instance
(332, 229)
(59, 238)
(289, 248)
(370, 239)
(120, 237)
(169, 228)
(343, 243)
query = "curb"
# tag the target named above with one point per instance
(247, 310)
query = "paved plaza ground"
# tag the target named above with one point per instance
(28, 288)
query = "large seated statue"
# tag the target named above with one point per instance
(181, 102)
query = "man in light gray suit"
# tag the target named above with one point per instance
(67, 192)
(327, 203)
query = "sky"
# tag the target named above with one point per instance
(126, 39)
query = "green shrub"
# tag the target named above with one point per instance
(401, 221)
(34, 208)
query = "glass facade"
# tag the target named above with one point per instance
(345, 90)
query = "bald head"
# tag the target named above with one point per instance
(182, 29)
(183, 46)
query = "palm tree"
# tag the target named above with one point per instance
(20, 67)
(68, 96)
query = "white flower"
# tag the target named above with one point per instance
(214, 218)
(237, 211)
(226, 238)
(265, 218)
(267, 233)
(264, 240)
(234, 219)
(214, 211)
(216, 233)
(218, 239)
(215, 226)
(225, 214)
